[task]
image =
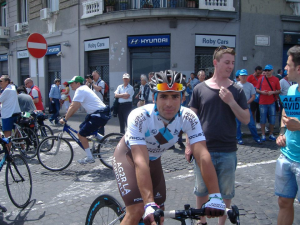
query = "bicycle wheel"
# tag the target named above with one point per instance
(18, 181)
(106, 148)
(28, 146)
(105, 210)
(55, 153)
(44, 131)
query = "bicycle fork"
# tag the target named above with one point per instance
(58, 142)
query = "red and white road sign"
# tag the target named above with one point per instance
(37, 45)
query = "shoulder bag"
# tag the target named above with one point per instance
(277, 104)
(257, 95)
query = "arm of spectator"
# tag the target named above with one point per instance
(251, 99)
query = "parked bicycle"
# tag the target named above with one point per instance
(55, 153)
(24, 139)
(17, 176)
(106, 210)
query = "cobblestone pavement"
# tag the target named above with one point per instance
(64, 197)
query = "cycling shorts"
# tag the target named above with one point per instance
(90, 125)
(124, 170)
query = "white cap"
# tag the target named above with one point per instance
(126, 75)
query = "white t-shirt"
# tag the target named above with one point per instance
(145, 128)
(284, 85)
(88, 99)
(10, 103)
(99, 83)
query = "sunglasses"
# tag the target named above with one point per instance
(165, 87)
(219, 49)
(267, 70)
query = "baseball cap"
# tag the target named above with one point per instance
(268, 67)
(126, 75)
(77, 79)
(243, 72)
(65, 83)
(237, 73)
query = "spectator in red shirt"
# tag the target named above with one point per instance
(254, 106)
(267, 100)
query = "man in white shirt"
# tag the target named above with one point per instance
(10, 105)
(124, 93)
(98, 114)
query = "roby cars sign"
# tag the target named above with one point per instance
(96, 44)
(142, 41)
(215, 41)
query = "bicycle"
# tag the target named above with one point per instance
(55, 153)
(41, 130)
(106, 210)
(17, 176)
(24, 139)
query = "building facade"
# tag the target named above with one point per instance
(140, 36)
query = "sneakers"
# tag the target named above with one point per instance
(263, 138)
(258, 126)
(86, 160)
(258, 141)
(240, 142)
(272, 137)
(52, 122)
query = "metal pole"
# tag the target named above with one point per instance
(37, 71)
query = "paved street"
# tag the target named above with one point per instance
(64, 197)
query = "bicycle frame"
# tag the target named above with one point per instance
(70, 131)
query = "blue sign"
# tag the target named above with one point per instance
(3, 57)
(53, 50)
(142, 41)
(291, 104)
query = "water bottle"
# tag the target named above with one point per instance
(99, 136)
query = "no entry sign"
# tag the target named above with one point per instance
(37, 45)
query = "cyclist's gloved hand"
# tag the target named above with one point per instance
(215, 206)
(151, 208)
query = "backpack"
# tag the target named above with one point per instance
(106, 88)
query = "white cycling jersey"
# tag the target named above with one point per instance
(146, 128)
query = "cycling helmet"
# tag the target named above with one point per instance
(167, 80)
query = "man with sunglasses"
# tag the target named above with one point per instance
(268, 87)
(153, 129)
(217, 102)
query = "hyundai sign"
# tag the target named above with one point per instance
(147, 41)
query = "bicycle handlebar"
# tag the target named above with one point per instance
(191, 213)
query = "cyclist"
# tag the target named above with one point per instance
(98, 113)
(152, 129)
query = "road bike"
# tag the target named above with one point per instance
(106, 210)
(55, 153)
(17, 176)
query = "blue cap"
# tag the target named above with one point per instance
(243, 72)
(237, 73)
(268, 67)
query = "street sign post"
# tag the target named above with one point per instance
(37, 47)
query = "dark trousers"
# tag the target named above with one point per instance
(254, 106)
(123, 112)
(57, 107)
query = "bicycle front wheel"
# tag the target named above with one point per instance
(106, 148)
(105, 210)
(44, 131)
(18, 181)
(55, 153)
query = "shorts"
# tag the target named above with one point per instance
(124, 170)
(287, 178)
(225, 165)
(267, 110)
(8, 123)
(90, 125)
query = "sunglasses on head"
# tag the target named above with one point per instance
(219, 49)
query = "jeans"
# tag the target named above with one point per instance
(57, 107)
(267, 111)
(251, 126)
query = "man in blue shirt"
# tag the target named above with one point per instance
(193, 81)
(54, 96)
(287, 176)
